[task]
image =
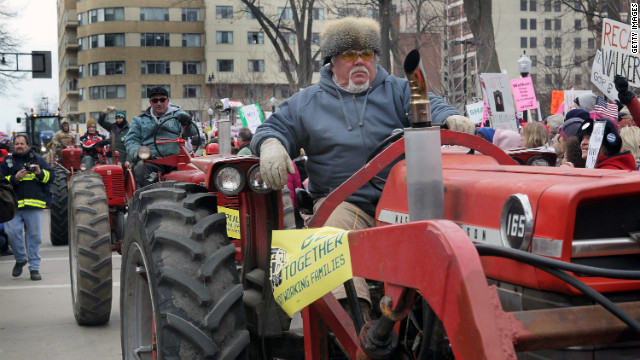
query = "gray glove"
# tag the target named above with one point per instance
(275, 163)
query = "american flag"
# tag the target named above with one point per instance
(605, 109)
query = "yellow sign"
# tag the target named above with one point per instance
(233, 221)
(306, 264)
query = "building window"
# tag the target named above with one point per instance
(144, 94)
(533, 42)
(532, 5)
(82, 19)
(557, 24)
(577, 43)
(317, 65)
(556, 5)
(523, 5)
(191, 40)
(224, 12)
(106, 68)
(548, 60)
(523, 24)
(285, 13)
(557, 43)
(107, 92)
(282, 92)
(224, 37)
(156, 68)
(534, 78)
(373, 14)
(547, 24)
(190, 14)
(253, 92)
(225, 65)
(547, 5)
(534, 60)
(289, 38)
(547, 79)
(344, 12)
(591, 43)
(577, 25)
(255, 37)
(154, 14)
(82, 44)
(106, 40)
(523, 42)
(81, 73)
(250, 14)
(191, 68)
(114, 14)
(289, 65)
(547, 42)
(82, 94)
(191, 91)
(577, 60)
(533, 24)
(577, 79)
(557, 61)
(315, 39)
(256, 65)
(154, 39)
(318, 14)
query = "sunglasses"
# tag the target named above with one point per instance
(155, 101)
(352, 55)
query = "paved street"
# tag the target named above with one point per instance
(36, 318)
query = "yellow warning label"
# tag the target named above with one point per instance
(306, 264)
(233, 221)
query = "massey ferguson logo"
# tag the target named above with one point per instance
(278, 259)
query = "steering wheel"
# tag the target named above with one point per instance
(395, 135)
(181, 137)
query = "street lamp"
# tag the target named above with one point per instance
(524, 67)
(210, 80)
(274, 102)
(465, 42)
(210, 112)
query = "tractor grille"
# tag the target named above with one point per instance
(114, 185)
(231, 202)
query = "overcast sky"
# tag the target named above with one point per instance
(36, 26)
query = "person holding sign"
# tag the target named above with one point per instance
(609, 155)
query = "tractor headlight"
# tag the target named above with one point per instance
(539, 160)
(83, 166)
(43, 149)
(229, 180)
(144, 153)
(256, 182)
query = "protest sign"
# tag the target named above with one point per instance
(620, 51)
(499, 101)
(601, 81)
(251, 116)
(570, 97)
(475, 111)
(594, 143)
(524, 94)
(557, 98)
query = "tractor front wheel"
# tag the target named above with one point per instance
(90, 249)
(59, 226)
(180, 294)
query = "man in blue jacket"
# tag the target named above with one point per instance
(141, 134)
(29, 175)
(338, 122)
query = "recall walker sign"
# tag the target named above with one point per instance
(307, 264)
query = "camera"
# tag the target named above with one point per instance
(29, 167)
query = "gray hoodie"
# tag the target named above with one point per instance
(338, 129)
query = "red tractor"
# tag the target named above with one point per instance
(473, 257)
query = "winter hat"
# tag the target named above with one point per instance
(611, 141)
(121, 114)
(507, 139)
(349, 33)
(555, 121)
(487, 132)
(570, 127)
(64, 123)
(586, 101)
(459, 123)
(579, 113)
(91, 122)
(440, 110)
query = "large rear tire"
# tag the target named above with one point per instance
(59, 228)
(90, 249)
(180, 294)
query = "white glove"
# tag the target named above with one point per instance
(275, 163)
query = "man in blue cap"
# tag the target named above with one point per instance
(118, 131)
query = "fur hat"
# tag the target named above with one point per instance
(349, 33)
(91, 122)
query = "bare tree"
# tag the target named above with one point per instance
(8, 44)
(480, 22)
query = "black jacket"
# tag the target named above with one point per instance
(8, 202)
(33, 190)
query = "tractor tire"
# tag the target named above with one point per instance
(180, 294)
(59, 227)
(89, 249)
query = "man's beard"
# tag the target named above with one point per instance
(355, 88)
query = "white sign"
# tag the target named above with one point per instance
(501, 108)
(594, 143)
(251, 117)
(474, 112)
(620, 51)
(570, 97)
(603, 82)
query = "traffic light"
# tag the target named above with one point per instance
(41, 64)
